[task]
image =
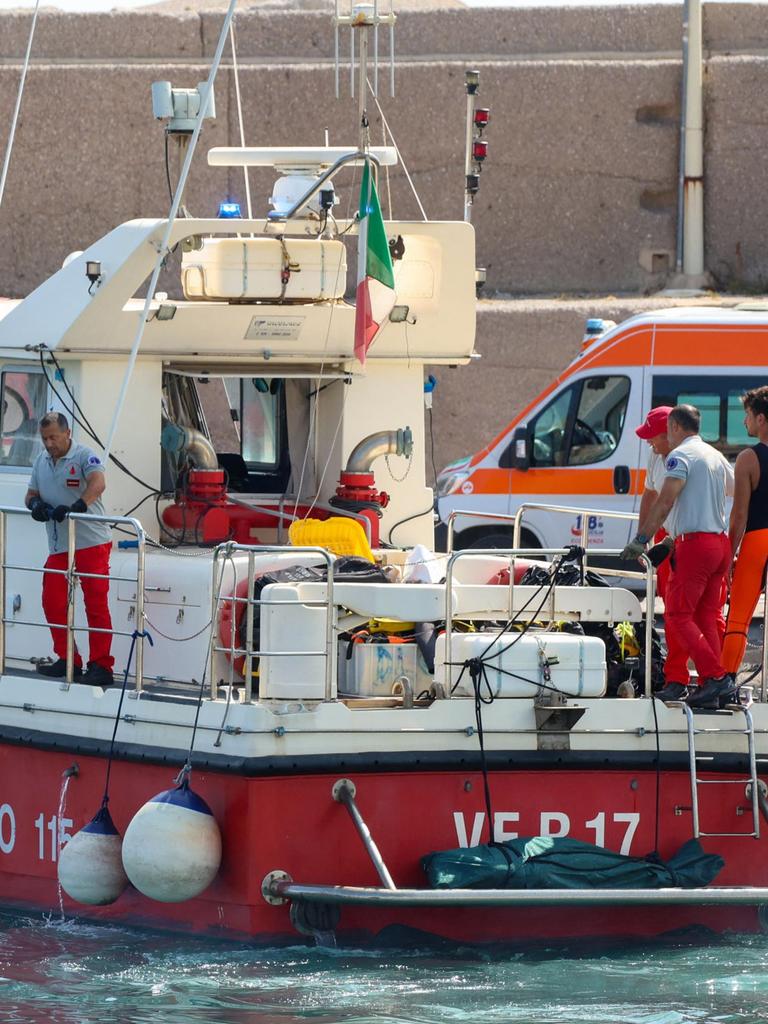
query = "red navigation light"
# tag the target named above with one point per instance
(479, 150)
(482, 117)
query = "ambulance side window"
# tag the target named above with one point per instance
(549, 431)
(718, 399)
(599, 419)
(23, 397)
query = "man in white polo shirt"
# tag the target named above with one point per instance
(68, 477)
(695, 484)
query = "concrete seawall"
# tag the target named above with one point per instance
(579, 191)
(578, 194)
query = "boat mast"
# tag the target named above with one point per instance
(362, 18)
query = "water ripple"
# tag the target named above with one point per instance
(65, 972)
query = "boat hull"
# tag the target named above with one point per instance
(291, 822)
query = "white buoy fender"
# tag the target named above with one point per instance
(90, 865)
(172, 847)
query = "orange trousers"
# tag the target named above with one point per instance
(748, 581)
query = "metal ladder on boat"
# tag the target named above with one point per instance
(752, 782)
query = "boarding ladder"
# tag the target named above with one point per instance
(752, 783)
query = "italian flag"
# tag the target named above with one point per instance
(375, 295)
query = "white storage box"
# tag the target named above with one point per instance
(579, 671)
(374, 668)
(251, 268)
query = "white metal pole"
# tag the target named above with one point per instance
(240, 117)
(169, 227)
(362, 98)
(17, 107)
(468, 167)
(693, 207)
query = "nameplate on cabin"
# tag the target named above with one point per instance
(271, 328)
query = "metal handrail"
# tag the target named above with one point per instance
(273, 217)
(72, 576)
(280, 886)
(226, 550)
(496, 517)
(281, 515)
(567, 510)
(650, 593)
(516, 518)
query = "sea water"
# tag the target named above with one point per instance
(69, 972)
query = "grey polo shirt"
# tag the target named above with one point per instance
(700, 506)
(656, 474)
(62, 483)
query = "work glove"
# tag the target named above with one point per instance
(634, 549)
(660, 552)
(61, 512)
(41, 510)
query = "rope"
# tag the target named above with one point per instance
(82, 420)
(240, 116)
(134, 637)
(179, 639)
(163, 248)
(315, 410)
(17, 108)
(182, 779)
(476, 667)
(400, 156)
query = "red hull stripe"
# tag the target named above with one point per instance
(293, 824)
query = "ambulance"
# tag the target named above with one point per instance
(575, 443)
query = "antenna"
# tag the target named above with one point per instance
(362, 17)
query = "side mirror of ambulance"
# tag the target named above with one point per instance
(522, 448)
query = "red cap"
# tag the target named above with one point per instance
(655, 423)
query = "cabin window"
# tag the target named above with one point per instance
(260, 422)
(247, 423)
(23, 400)
(718, 399)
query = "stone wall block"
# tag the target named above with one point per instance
(736, 140)
(113, 35)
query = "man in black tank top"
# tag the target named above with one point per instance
(748, 529)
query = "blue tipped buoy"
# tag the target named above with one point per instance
(90, 865)
(172, 847)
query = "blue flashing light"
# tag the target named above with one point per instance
(229, 211)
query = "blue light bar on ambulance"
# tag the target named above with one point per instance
(595, 326)
(229, 210)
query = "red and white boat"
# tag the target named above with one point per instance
(337, 767)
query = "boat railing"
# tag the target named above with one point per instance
(72, 575)
(516, 519)
(235, 649)
(648, 576)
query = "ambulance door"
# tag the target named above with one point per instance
(581, 451)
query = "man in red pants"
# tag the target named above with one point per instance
(68, 477)
(654, 431)
(695, 484)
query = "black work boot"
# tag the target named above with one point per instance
(673, 691)
(714, 693)
(57, 669)
(97, 675)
